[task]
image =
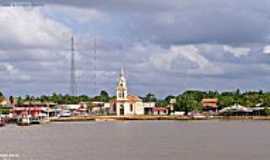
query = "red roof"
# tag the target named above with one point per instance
(160, 109)
(133, 98)
(130, 99)
(209, 102)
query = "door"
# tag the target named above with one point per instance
(122, 111)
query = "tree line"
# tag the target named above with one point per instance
(187, 101)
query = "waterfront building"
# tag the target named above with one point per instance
(171, 106)
(161, 111)
(4, 102)
(236, 109)
(125, 104)
(74, 109)
(210, 104)
(100, 108)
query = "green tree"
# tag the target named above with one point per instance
(56, 98)
(84, 98)
(267, 111)
(4, 110)
(11, 99)
(150, 97)
(103, 97)
(266, 99)
(27, 98)
(162, 103)
(196, 95)
(19, 101)
(188, 103)
(44, 98)
(212, 94)
(225, 101)
(168, 98)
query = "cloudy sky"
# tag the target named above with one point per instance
(166, 47)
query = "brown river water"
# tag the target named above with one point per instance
(138, 140)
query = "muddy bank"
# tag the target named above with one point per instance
(146, 118)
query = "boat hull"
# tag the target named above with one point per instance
(2, 122)
(23, 121)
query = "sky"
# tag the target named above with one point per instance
(165, 47)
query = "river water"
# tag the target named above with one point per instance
(138, 140)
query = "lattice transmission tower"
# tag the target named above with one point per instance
(73, 85)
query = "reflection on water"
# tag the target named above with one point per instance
(138, 140)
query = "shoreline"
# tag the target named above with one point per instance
(152, 118)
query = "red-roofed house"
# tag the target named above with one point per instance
(210, 104)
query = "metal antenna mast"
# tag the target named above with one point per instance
(73, 86)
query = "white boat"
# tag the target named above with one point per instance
(65, 113)
(34, 120)
(23, 120)
(40, 118)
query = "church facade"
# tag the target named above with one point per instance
(125, 104)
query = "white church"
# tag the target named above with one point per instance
(125, 104)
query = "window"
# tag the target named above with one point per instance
(131, 107)
(121, 106)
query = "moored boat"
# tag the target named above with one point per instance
(34, 120)
(23, 119)
(39, 120)
(2, 122)
(65, 113)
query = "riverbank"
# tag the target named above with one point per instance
(122, 118)
(146, 118)
(244, 117)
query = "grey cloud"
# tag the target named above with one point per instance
(137, 32)
(185, 22)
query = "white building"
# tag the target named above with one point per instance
(101, 107)
(127, 104)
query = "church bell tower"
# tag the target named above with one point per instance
(121, 90)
